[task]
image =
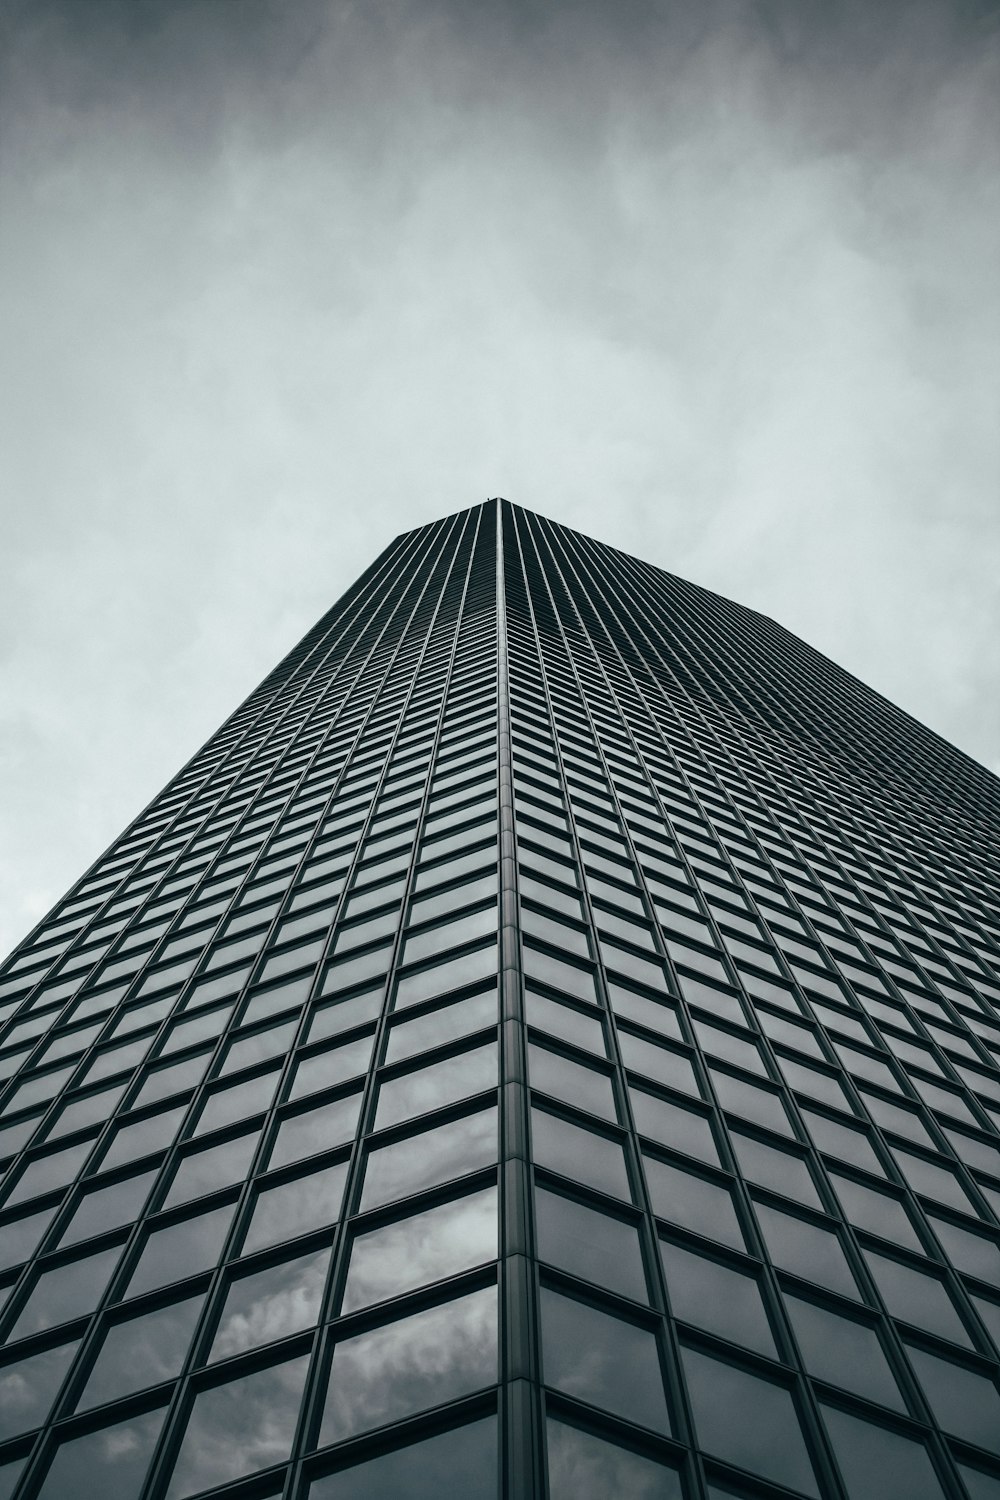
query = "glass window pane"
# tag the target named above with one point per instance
(108, 1208)
(432, 1157)
(774, 1168)
(271, 1304)
(180, 1250)
(673, 1125)
(805, 1250)
(28, 1388)
(417, 1362)
(717, 1297)
(876, 1212)
(215, 1167)
(843, 1352)
(603, 1360)
(344, 1015)
(237, 1102)
(446, 1024)
(747, 1421)
(460, 1462)
(583, 1466)
(141, 1352)
(111, 1463)
(916, 1298)
(581, 1155)
(238, 1428)
(574, 1082)
(589, 1244)
(467, 968)
(445, 1082)
(137, 1138)
(66, 1292)
(877, 1464)
(301, 1135)
(964, 1402)
(564, 1022)
(292, 1208)
(324, 1070)
(425, 1247)
(698, 1204)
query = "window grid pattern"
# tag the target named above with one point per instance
(546, 1043)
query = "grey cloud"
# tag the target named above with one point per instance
(713, 283)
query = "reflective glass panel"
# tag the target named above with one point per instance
(417, 1362)
(65, 1292)
(111, 1463)
(425, 1247)
(238, 1428)
(215, 1167)
(603, 1360)
(747, 1421)
(440, 1083)
(108, 1208)
(581, 1155)
(877, 1464)
(589, 1244)
(292, 1208)
(443, 1025)
(583, 1466)
(271, 1304)
(806, 1250)
(434, 1156)
(181, 1249)
(713, 1295)
(843, 1352)
(301, 1135)
(28, 1388)
(695, 1202)
(141, 1352)
(462, 1462)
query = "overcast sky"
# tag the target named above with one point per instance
(713, 282)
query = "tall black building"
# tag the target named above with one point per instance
(545, 1044)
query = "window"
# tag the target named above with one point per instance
(805, 1249)
(747, 1421)
(843, 1352)
(28, 1388)
(111, 1463)
(419, 1361)
(589, 1243)
(715, 1295)
(572, 1081)
(180, 1249)
(877, 1464)
(141, 1352)
(693, 1201)
(271, 1304)
(773, 1167)
(64, 1292)
(604, 1360)
(287, 1209)
(421, 1248)
(965, 1402)
(435, 1156)
(461, 1461)
(308, 1132)
(583, 1466)
(238, 1428)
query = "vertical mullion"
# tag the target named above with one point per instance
(521, 1406)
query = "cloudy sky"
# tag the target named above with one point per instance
(716, 283)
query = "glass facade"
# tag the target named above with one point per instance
(544, 1045)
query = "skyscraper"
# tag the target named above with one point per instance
(545, 1044)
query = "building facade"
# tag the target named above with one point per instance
(544, 1045)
